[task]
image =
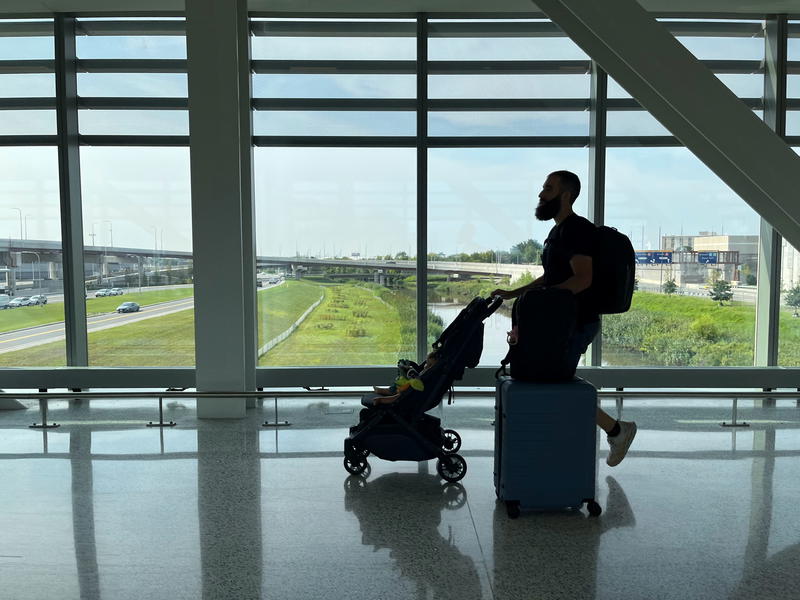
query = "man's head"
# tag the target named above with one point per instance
(558, 194)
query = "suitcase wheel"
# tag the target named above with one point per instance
(512, 509)
(594, 508)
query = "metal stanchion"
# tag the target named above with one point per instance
(161, 417)
(43, 410)
(275, 423)
(735, 412)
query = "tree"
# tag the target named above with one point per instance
(721, 292)
(793, 298)
(669, 286)
(529, 251)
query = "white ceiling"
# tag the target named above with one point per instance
(33, 7)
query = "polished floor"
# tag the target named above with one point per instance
(103, 507)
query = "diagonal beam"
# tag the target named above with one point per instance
(637, 51)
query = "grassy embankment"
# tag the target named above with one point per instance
(355, 325)
(684, 331)
(670, 330)
(162, 341)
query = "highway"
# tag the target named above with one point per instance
(53, 332)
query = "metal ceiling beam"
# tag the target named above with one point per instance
(643, 57)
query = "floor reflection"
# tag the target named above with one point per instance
(554, 554)
(402, 512)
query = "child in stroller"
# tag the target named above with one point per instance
(394, 425)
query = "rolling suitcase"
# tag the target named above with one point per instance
(545, 445)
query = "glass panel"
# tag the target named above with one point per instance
(789, 335)
(335, 241)
(333, 48)
(28, 47)
(334, 86)
(125, 46)
(498, 123)
(134, 122)
(725, 48)
(480, 215)
(138, 249)
(136, 85)
(638, 122)
(516, 48)
(743, 85)
(508, 86)
(31, 274)
(27, 85)
(666, 200)
(334, 123)
(27, 122)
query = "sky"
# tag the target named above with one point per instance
(345, 200)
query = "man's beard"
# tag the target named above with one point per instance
(547, 210)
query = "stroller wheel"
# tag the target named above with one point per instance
(451, 468)
(355, 466)
(356, 452)
(455, 496)
(451, 441)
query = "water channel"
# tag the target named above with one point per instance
(494, 338)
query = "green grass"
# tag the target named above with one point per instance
(683, 331)
(96, 306)
(32, 316)
(282, 305)
(351, 327)
(161, 341)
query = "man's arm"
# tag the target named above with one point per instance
(508, 294)
(581, 274)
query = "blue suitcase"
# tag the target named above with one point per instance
(545, 445)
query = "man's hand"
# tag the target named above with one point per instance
(504, 294)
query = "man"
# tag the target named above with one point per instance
(567, 261)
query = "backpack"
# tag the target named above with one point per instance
(613, 271)
(543, 320)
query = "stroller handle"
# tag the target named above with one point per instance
(493, 303)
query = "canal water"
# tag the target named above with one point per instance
(495, 346)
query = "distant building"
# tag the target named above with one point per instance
(733, 255)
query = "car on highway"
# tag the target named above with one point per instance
(126, 307)
(117, 291)
(20, 301)
(102, 292)
(38, 299)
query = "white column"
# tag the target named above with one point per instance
(222, 213)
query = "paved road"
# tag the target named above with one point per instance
(33, 336)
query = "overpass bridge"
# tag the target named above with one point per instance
(41, 261)
(514, 271)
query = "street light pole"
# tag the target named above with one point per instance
(19, 210)
(110, 232)
(38, 264)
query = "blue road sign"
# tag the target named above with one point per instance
(707, 258)
(654, 258)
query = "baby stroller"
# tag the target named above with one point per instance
(402, 430)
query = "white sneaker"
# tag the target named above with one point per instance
(620, 443)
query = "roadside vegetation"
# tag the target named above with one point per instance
(356, 324)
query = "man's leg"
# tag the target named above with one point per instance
(620, 433)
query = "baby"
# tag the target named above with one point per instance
(387, 395)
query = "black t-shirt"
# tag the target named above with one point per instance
(574, 235)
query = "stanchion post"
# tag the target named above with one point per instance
(43, 411)
(161, 416)
(276, 423)
(735, 414)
